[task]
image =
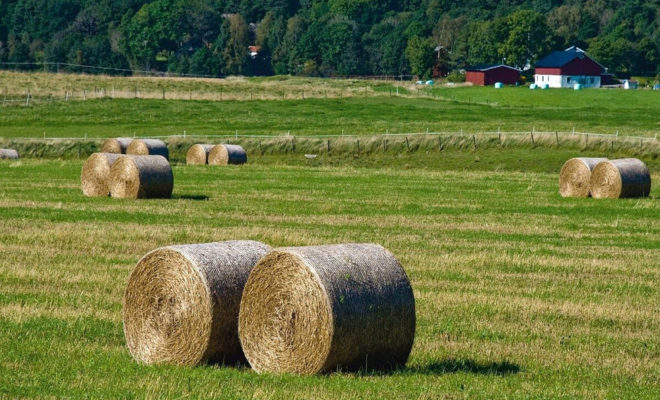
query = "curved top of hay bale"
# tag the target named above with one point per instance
(313, 309)
(181, 303)
(141, 177)
(198, 154)
(627, 177)
(575, 175)
(143, 147)
(116, 145)
(224, 154)
(9, 154)
(96, 174)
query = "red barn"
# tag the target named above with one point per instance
(566, 68)
(486, 75)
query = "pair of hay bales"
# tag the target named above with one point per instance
(8, 154)
(603, 178)
(221, 154)
(302, 309)
(127, 176)
(141, 147)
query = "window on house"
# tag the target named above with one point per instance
(568, 79)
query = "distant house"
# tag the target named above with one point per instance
(254, 51)
(486, 75)
(563, 69)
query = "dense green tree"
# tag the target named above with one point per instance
(420, 55)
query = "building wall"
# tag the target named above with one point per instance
(475, 77)
(507, 76)
(567, 81)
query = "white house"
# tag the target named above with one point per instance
(563, 69)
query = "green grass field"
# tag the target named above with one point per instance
(370, 111)
(519, 293)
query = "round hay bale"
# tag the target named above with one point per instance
(315, 309)
(575, 176)
(95, 174)
(145, 147)
(627, 177)
(9, 154)
(141, 177)
(181, 303)
(198, 154)
(224, 154)
(117, 145)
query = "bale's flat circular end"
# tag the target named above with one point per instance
(219, 155)
(606, 182)
(96, 173)
(125, 179)
(138, 147)
(285, 320)
(574, 178)
(111, 146)
(167, 310)
(197, 155)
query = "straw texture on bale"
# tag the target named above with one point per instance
(198, 154)
(152, 147)
(95, 175)
(224, 154)
(181, 303)
(575, 176)
(117, 145)
(315, 309)
(141, 177)
(9, 154)
(627, 177)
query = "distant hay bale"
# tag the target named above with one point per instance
(9, 154)
(627, 177)
(146, 147)
(95, 175)
(224, 154)
(141, 177)
(198, 154)
(575, 176)
(181, 303)
(315, 309)
(116, 145)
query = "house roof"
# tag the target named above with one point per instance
(486, 67)
(558, 59)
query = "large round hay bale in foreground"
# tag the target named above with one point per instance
(626, 177)
(224, 154)
(152, 147)
(317, 309)
(95, 175)
(575, 176)
(181, 303)
(9, 154)
(116, 145)
(140, 177)
(198, 154)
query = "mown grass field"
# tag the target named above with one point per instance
(520, 293)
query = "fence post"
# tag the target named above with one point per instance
(499, 137)
(640, 145)
(328, 145)
(586, 140)
(358, 145)
(27, 100)
(163, 92)
(474, 140)
(531, 133)
(407, 144)
(557, 137)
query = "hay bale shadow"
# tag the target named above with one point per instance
(198, 197)
(452, 366)
(449, 366)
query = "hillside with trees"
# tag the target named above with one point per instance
(323, 37)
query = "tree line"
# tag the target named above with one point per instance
(326, 37)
